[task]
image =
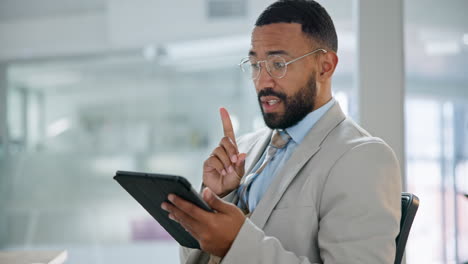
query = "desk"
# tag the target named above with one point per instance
(33, 257)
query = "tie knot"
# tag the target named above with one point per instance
(279, 139)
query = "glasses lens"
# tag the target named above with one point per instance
(276, 66)
(250, 67)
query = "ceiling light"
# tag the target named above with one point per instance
(209, 47)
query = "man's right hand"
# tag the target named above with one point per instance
(224, 169)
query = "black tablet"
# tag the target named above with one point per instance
(151, 190)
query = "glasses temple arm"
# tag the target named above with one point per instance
(310, 53)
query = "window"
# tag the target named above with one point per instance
(437, 130)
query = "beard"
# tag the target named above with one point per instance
(296, 107)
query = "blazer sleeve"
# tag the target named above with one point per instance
(359, 214)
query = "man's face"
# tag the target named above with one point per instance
(286, 101)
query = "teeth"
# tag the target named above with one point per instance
(272, 102)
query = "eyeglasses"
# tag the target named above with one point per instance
(276, 65)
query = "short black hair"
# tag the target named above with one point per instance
(315, 21)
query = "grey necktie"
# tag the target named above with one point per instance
(277, 141)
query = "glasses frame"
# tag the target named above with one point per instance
(247, 59)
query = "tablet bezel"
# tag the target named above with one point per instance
(135, 183)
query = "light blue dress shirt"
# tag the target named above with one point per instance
(297, 132)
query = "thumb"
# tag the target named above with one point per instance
(214, 201)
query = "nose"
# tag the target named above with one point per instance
(264, 79)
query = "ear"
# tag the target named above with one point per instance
(327, 66)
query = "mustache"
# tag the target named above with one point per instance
(269, 91)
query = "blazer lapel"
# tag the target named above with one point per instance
(256, 151)
(308, 147)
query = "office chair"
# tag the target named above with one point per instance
(409, 207)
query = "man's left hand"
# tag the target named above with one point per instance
(214, 231)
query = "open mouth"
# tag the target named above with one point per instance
(270, 103)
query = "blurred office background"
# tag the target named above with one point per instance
(93, 86)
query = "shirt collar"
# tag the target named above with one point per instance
(300, 130)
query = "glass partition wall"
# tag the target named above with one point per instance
(74, 121)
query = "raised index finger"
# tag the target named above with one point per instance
(227, 125)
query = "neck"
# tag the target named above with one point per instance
(323, 96)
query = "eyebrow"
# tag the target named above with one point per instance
(273, 52)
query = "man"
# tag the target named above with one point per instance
(314, 187)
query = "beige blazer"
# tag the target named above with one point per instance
(336, 200)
